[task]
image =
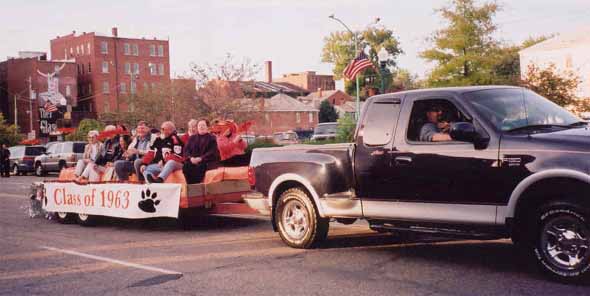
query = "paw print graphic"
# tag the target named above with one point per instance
(148, 201)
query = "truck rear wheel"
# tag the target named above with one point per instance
(299, 224)
(562, 245)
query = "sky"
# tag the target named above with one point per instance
(290, 33)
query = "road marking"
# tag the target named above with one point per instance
(114, 261)
(14, 195)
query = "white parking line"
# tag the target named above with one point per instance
(110, 260)
(14, 195)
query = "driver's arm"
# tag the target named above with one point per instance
(441, 137)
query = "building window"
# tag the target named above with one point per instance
(68, 91)
(88, 48)
(82, 68)
(161, 69)
(153, 69)
(310, 117)
(105, 87)
(123, 88)
(145, 87)
(161, 50)
(82, 48)
(132, 107)
(89, 88)
(71, 51)
(152, 50)
(89, 68)
(104, 47)
(65, 53)
(78, 68)
(153, 85)
(135, 49)
(127, 68)
(297, 117)
(105, 67)
(266, 117)
(133, 87)
(127, 49)
(136, 68)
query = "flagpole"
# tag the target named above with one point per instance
(358, 100)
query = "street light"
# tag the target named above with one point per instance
(383, 56)
(355, 39)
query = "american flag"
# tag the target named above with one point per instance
(49, 107)
(359, 63)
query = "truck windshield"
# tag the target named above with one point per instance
(326, 129)
(516, 109)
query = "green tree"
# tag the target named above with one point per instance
(346, 127)
(464, 51)
(8, 133)
(557, 87)
(327, 112)
(339, 50)
(84, 127)
(506, 69)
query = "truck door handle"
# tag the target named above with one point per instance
(402, 160)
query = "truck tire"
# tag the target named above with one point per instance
(86, 220)
(562, 244)
(63, 217)
(299, 224)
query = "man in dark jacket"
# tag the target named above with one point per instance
(168, 155)
(5, 161)
(200, 154)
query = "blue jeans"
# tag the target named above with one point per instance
(156, 170)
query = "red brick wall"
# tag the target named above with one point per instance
(17, 73)
(339, 98)
(116, 59)
(267, 123)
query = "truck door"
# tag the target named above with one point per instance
(373, 146)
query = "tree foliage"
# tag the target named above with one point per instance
(84, 127)
(557, 87)
(221, 87)
(339, 50)
(8, 133)
(327, 112)
(346, 128)
(464, 52)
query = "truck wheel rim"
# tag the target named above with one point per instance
(83, 217)
(295, 219)
(566, 242)
(62, 215)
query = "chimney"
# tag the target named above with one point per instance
(268, 71)
(115, 32)
(320, 92)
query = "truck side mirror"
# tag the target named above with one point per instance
(463, 131)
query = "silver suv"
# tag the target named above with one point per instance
(59, 155)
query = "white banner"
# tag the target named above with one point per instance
(114, 200)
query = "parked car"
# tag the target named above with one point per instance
(304, 134)
(22, 158)
(285, 138)
(59, 155)
(512, 165)
(325, 131)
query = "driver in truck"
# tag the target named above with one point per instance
(435, 130)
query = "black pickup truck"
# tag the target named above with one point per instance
(506, 163)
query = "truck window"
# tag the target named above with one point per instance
(448, 113)
(380, 122)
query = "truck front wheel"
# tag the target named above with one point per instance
(299, 224)
(562, 247)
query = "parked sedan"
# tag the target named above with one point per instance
(22, 158)
(325, 131)
(59, 155)
(285, 138)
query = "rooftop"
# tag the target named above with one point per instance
(580, 37)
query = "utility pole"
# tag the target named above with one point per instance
(30, 105)
(15, 115)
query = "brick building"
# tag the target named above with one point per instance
(279, 114)
(111, 67)
(342, 102)
(31, 82)
(308, 80)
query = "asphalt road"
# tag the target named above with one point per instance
(243, 256)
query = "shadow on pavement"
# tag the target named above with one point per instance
(202, 223)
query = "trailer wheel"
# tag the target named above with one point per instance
(86, 220)
(299, 224)
(63, 217)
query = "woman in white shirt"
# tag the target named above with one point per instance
(85, 168)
